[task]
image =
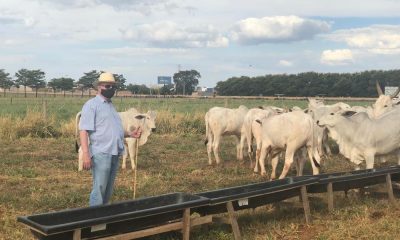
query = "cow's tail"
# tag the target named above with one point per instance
(314, 145)
(207, 129)
(77, 119)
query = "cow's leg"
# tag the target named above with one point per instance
(217, 139)
(314, 158)
(263, 154)
(274, 164)
(249, 140)
(288, 161)
(80, 159)
(326, 148)
(369, 160)
(258, 151)
(299, 158)
(209, 148)
(239, 147)
(132, 151)
(125, 156)
(398, 157)
(320, 145)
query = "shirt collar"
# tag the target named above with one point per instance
(103, 100)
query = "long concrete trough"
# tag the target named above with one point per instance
(170, 212)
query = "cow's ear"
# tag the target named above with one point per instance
(139, 117)
(259, 121)
(348, 113)
(152, 114)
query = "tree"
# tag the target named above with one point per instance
(167, 89)
(186, 81)
(31, 78)
(5, 81)
(63, 84)
(138, 89)
(87, 80)
(121, 80)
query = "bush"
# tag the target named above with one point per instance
(34, 124)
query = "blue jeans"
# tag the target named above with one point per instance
(104, 171)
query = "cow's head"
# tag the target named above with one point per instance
(146, 122)
(384, 102)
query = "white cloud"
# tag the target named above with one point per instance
(376, 39)
(285, 63)
(132, 52)
(29, 22)
(170, 34)
(277, 29)
(337, 57)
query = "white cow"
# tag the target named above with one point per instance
(224, 122)
(290, 131)
(383, 104)
(251, 129)
(361, 137)
(317, 109)
(131, 120)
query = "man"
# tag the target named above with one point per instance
(101, 125)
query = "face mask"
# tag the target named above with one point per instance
(108, 93)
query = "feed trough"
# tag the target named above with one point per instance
(254, 195)
(344, 181)
(113, 219)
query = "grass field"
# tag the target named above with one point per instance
(39, 174)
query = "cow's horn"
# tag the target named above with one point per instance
(395, 93)
(378, 88)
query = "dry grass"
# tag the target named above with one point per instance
(39, 175)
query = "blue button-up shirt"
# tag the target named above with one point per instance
(100, 119)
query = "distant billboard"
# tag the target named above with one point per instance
(164, 80)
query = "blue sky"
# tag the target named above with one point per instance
(143, 39)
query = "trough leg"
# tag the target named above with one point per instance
(186, 224)
(77, 234)
(390, 189)
(330, 197)
(233, 221)
(306, 204)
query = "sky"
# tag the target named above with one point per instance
(144, 39)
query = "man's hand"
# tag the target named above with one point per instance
(136, 133)
(87, 161)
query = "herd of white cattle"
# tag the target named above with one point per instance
(362, 133)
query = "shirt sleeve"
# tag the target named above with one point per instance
(88, 115)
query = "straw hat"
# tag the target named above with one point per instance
(105, 77)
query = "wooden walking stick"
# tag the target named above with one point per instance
(136, 167)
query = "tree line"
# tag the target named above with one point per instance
(184, 82)
(360, 84)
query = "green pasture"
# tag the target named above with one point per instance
(39, 173)
(64, 108)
